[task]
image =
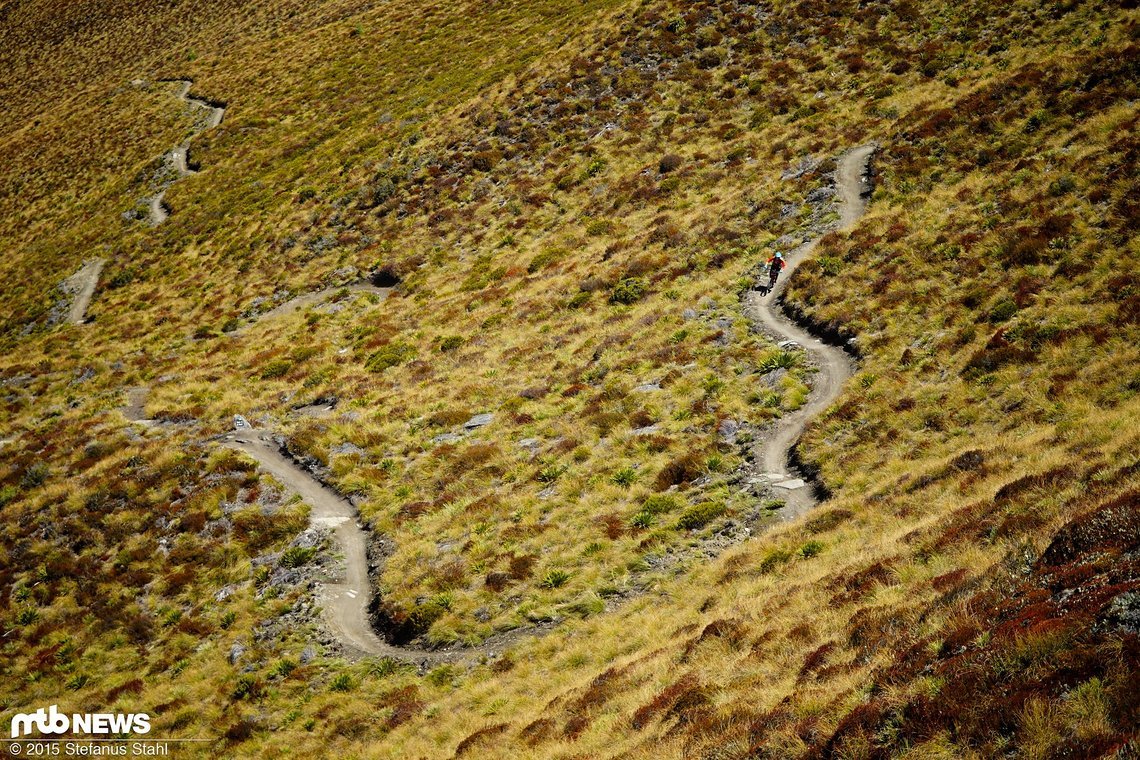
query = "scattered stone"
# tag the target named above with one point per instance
(821, 194)
(806, 164)
(482, 614)
(479, 420)
(647, 430)
(773, 378)
(648, 387)
(546, 493)
(308, 654)
(530, 443)
(447, 438)
(347, 448)
(727, 430)
(791, 485)
(225, 592)
(236, 652)
(689, 314)
(788, 345)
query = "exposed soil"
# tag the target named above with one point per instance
(306, 300)
(81, 286)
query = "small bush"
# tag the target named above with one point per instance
(247, 686)
(670, 162)
(550, 473)
(35, 476)
(629, 290)
(579, 300)
(276, 368)
(700, 515)
(284, 667)
(684, 469)
(544, 259)
(779, 360)
(1062, 186)
(810, 549)
(598, 227)
(390, 355)
(658, 504)
(341, 683)
(1002, 311)
(450, 343)
(642, 520)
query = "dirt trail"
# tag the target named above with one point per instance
(135, 410)
(344, 603)
(835, 366)
(179, 156)
(312, 299)
(82, 285)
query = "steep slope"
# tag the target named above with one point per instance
(548, 421)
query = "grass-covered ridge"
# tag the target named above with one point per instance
(571, 223)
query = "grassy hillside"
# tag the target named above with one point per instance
(572, 198)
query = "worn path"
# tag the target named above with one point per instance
(179, 156)
(82, 286)
(345, 602)
(835, 366)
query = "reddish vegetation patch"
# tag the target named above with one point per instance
(684, 695)
(1113, 527)
(949, 580)
(731, 631)
(852, 588)
(1074, 617)
(828, 520)
(405, 704)
(816, 659)
(539, 731)
(482, 736)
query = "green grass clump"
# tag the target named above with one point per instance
(629, 290)
(700, 515)
(390, 355)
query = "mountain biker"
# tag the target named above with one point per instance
(775, 265)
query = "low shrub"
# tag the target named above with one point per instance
(390, 355)
(629, 290)
(625, 477)
(670, 162)
(450, 343)
(700, 515)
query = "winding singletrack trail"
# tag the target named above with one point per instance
(82, 284)
(179, 156)
(306, 300)
(835, 366)
(344, 603)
